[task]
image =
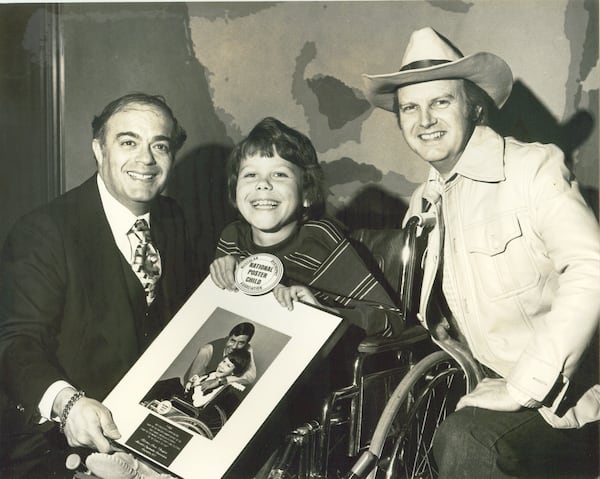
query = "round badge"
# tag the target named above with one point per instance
(163, 407)
(258, 274)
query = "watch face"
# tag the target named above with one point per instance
(258, 274)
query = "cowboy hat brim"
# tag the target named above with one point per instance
(488, 71)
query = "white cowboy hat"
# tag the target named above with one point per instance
(429, 56)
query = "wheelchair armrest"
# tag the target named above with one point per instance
(380, 344)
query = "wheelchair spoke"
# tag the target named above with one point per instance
(426, 405)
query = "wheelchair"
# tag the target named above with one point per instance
(382, 424)
(207, 419)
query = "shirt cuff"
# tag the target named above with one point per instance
(522, 398)
(47, 401)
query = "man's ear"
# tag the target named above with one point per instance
(97, 149)
(306, 203)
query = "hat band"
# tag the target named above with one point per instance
(423, 64)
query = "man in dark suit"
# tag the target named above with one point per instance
(83, 292)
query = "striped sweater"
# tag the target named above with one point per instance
(320, 257)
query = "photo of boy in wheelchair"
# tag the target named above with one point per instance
(202, 404)
(202, 392)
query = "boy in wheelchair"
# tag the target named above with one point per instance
(233, 364)
(276, 184)
(194, 396)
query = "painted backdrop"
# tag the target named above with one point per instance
(224, 66)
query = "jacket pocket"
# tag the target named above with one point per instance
(501, 257)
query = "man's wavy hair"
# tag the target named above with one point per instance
(269, 137)
(99, 122)
(242, 329)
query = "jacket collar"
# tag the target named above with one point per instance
(482, 160)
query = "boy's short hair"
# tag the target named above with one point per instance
(240, 358)
(269, 137)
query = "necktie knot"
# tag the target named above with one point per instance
(141, 229)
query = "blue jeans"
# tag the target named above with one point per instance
(478, 443)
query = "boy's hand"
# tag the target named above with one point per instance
(209, 385)
(222, 272)
(286, 295)
(192, 382)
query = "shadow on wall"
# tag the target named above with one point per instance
(199, 179)
(523, 117)
(198, 182)
(527, 119)
(373, 208)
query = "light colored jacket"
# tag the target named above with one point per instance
(523, 255)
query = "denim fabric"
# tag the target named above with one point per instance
(483, 444)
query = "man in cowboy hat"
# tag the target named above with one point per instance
(519, 268)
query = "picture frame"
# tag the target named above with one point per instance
(168, 433)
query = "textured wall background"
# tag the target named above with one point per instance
(224, 66)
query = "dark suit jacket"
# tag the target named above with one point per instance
(70, 306)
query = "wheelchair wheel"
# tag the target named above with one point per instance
(193, 424)
(401, 447)
(213, 417)
(427, 394)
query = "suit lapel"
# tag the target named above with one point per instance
(159, 220)
(105, 283)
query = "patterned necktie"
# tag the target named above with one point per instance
(146, 260)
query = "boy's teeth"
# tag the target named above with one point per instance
(264, 203)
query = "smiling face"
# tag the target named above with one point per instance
(225, 368)
(269, 197)
(134, 157)
(236, 342)
(436, 121)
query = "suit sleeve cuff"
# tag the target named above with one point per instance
(45, 405)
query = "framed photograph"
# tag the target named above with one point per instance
(165, 413)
